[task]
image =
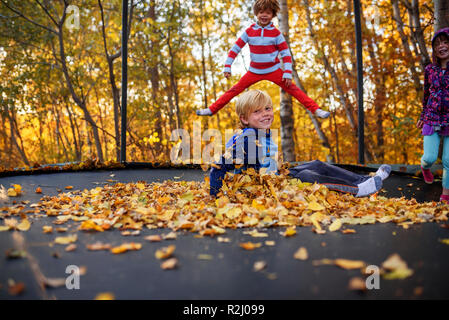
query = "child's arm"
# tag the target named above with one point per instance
(235, 50)
(286, 57)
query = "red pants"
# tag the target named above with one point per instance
(251, 78)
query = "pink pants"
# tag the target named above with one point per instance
(251, 78)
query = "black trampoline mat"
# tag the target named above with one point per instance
(227, 273)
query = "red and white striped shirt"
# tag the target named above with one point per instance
(265, 44)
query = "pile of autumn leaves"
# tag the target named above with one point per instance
(246, 200)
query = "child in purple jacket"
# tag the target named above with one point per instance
(434, 119)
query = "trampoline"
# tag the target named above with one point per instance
(209, 269)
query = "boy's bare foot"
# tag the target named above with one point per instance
(321, 113)
(204, 112)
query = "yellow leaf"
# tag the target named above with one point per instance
(66, 240)
(165, 252)
(12, 192)
(105, 296)
(126, 247)
(24, 225)
(289, 232)
(445, 241)
(233, 213)
(90, 225)
(398, 274)
(315, 206)
(349, 264)
(4, 228)
(301, 254)
(259, 206)
(335, 225)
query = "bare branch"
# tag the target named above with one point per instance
(20, 14)
(46, 12)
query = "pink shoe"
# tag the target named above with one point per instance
(444, 198)
(427, 175)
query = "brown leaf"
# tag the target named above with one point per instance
(98, 246)
(357, 284)
(250, 245)
(15, 289)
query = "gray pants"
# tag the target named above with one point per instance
(333, 177)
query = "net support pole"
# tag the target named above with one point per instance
(361, 115)
(124, 80)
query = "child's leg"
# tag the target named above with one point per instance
(445, 159)
(247, 80)
(293, 90)
(330, 173)
(311, 176)
(431, 145)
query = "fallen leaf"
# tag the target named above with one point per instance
(315, 206)
(165, 252)
(66, 240)
(169, 264)
(301, 254)
(203, 256)
(259, 265)
(15, 254)
(250, 245)
(153, 238)
(24, 225)
(289, 232)
(335, 225)
(349, 264)
(70, 247)
(15, 289)
(357, 284)
(346, 231)
(398, 268)
(105, 296)
(126, 247)
(98, 246)
(38, 190)
(444, 241)
(223, 239)
(169, 236)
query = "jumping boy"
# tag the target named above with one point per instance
(266, 42)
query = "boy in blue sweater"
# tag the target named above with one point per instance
(253, 147)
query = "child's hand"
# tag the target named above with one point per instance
(287, 81)
(419, 124)
(227, 75)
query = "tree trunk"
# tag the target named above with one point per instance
(80, 102)
(154, 78)
(405, 43)
(417, 32)
(441, 10)
(15, 131)
(287, 142)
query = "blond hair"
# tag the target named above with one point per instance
(250, 101)
(261, 5)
